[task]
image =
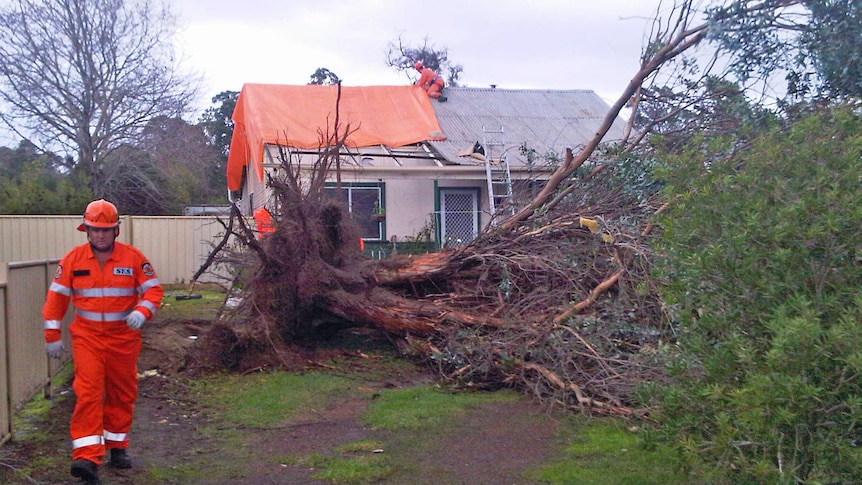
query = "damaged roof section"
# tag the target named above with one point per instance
(399, 126)
(518, 122)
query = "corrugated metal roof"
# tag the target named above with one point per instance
(546, 121)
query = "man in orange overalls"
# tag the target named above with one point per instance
(263, 221)
(114, 290)
(431, 82)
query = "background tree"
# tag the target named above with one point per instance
(402, 57)
(87, 75)
(814, 44)
(217, 120)
(792, 54)
(324, 76)
(217, 124)
(13, 161)
(833, 44)
(169, 167)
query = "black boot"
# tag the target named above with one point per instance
(119, 458)
(86, 470)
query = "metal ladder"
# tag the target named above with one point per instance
(497, 173)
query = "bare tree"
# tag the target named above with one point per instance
(169, 167)
(87, 75)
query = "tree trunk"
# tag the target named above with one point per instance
(380, 308)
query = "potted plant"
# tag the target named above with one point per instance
(379, 214)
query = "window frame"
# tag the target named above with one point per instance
(350, 188)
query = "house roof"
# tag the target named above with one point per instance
(542, 121)
(295, 116)
(513, 122)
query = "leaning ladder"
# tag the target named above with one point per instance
(497, 173)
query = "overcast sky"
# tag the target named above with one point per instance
(535, 44)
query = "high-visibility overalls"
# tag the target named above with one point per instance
(263, 221)
(430, 82)
(104, 349)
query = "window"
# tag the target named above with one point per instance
(459, 210)
(362, 201)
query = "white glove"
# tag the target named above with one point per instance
(55, 349)
(136, 320)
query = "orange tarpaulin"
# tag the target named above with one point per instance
(294, 116)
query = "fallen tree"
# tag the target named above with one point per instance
(555, 300)
(558, 305)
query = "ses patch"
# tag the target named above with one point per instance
(121, 271)
(148, 270)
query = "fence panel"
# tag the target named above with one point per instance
(5, 405)
(29, 238)
(27, 374)
(174, 243)
(177, 246)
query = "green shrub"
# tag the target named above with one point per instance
(763, 264)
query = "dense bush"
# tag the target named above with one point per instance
(762, 258)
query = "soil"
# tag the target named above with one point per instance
(496, 443)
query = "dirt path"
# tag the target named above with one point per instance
(492, 444)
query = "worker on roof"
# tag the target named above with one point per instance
(114, 290)
(430, 81)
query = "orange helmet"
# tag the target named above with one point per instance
(100, 213)
(417, 66)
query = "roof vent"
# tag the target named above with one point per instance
(493, 86)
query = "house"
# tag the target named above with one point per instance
(438, 170)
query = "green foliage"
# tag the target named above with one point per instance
(764, 268)
(711, 107)
(815, 44)
(833, 43)
(217, 125)
(30, 183)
